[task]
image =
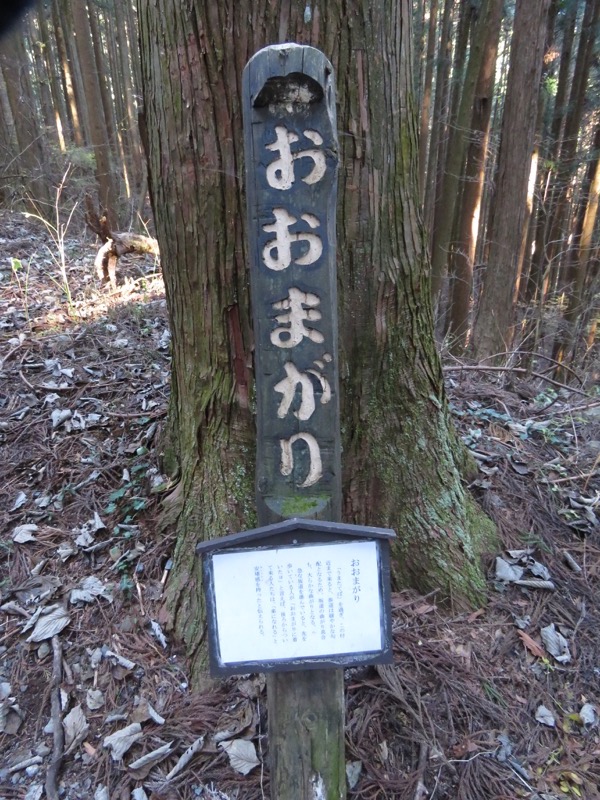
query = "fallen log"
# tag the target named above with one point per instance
(116, 246)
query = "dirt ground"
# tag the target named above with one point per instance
(499, 703)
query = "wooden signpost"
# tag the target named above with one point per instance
(304, 595)
(291, 157)
(291, 152)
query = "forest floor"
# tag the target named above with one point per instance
(502, 702)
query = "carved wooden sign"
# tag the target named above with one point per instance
(291, 179)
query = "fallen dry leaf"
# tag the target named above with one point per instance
(475, 615)
(49, 625)
(534, 648)
(120, 741)
(242, 755)
(90, 749)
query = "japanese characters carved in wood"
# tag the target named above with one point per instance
(291, 175)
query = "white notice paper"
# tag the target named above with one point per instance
(298, 602)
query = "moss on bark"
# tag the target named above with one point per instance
(401, 459)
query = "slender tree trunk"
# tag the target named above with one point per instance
(98, 129)
(67, 77)
(103, 71)
(461, 284)
(536, 270)
(457, 149)
(132, 146)
(493, 331)
(44, 97)
(402, 457)
(65, 11)
(439, 129)
(567, 163)
(133, 43)
(58, 105)
(579, 258)
(523, 265)
(31, 158)
(427, 90)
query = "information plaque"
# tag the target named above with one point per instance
(299, 594)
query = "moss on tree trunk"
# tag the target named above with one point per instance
(401, 457)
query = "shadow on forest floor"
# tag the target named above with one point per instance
(499, 703)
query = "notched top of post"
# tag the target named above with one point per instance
(289, 92)
(288, 78)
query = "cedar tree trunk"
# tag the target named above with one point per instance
(401, 457)
(493, 330)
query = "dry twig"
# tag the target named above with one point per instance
(516, 370)
(58, 732)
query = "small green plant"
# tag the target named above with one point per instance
(546, 398)
(22, 278)
(58, 233)
(126, 585)
(127, 499)
(83, 159)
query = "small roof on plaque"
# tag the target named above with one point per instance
(306, 530)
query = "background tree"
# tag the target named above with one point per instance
(25, 121)
(401, 457)
(438, 135)
(494, 324)
(71, 82)
(95, 111)
(458, 141)
(468, 209)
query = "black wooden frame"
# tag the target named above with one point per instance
(296, 533)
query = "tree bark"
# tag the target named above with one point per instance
(493, 331)
(402, 459)
(439, 130)
(455, 158)
(461, 283)
(427, 90)
(98, 128)
(31, 157)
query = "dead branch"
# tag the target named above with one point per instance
(58, 731)
(517, 371)
(421, 790)
(115, 245)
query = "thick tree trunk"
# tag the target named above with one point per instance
(401, 456)
(493, 327)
